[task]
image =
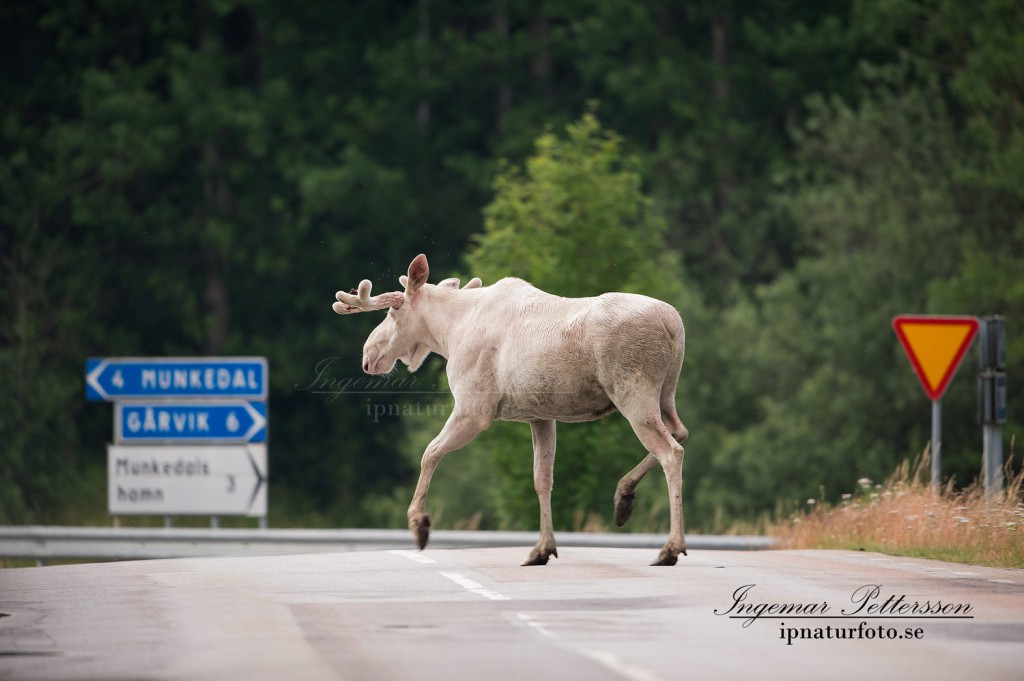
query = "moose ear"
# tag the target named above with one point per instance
(418, 272)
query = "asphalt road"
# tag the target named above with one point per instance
(595, 613)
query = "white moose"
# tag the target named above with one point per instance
(516, 353)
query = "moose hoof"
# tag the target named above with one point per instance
(540, 556)
(623, 507)
(668, 556)
(421, 530)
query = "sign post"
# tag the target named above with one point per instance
(936, 441)
(114, 379)
(195, 421)
(189, 434)
(935, 345)
(992, 400)
(169, 480)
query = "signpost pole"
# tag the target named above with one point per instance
(992, 456)
(992, 401)
(936, 448)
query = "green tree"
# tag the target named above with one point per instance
(873, 198)
(184, 182)
(45, 308)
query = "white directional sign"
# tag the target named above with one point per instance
(190, 421)
(187, 480)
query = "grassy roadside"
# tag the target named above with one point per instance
(904, 517)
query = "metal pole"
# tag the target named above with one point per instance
(992, 458)
(936, 442)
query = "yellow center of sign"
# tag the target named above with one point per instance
(935, 347)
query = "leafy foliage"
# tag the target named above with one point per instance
(197, 178)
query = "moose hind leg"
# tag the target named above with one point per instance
(669, 415)
(543, 480)
(625, 491)
(655, 436)
(675, 426)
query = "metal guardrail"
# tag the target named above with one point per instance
(44, 543)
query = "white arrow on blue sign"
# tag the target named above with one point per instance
(125, 378)
(229, 421)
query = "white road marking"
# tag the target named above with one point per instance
(609, 661)
(529, 621)
(618, 666)
(473, 587)
(414, 556)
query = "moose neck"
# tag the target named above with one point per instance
(444, 310)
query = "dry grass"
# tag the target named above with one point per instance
(903, 516)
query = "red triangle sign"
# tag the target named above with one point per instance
(935, 346)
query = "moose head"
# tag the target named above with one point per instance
(405, 332)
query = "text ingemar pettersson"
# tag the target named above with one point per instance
(872, 613)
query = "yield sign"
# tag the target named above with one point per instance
(935, 346)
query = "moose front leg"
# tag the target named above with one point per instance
(543, 479)
(457, 432)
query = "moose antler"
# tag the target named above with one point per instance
(360, 301)
(452, 282)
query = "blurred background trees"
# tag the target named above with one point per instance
(199, 178)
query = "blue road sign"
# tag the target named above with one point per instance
(229, 421)
(126, 378)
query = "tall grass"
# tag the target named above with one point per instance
(904, 516)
